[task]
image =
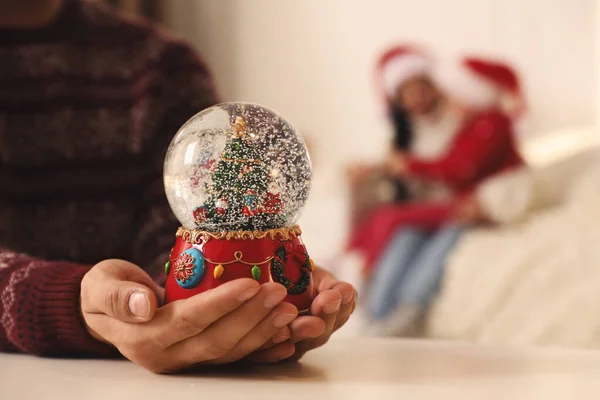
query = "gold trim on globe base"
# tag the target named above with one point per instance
(195, 236)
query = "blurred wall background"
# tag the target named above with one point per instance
(312, 61)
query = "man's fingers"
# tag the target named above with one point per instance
(346, 290)
(307, 327)
(284, 334)
(327, 307)
(281, 336)
(221, 337)
(324, 279)
(281, 316)
(326, 303)
(122, 300)
(347, 305)
(187, 318)
(121, 290)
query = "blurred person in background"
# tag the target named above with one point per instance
(90, 100)
(422, 124)
(408, 244)
(421, 119)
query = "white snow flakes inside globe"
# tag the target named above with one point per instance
(237, 166)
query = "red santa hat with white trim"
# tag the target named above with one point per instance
(399, 64)
(479, 84)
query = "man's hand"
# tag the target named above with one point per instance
(226, 324)
(332, 307)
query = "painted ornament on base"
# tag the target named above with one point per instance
(189, 268)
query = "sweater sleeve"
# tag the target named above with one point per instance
(476, 152)
(39, 308)
(39, 300)
(185, 86)
(508, 197)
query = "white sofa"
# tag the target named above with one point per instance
(535, 278)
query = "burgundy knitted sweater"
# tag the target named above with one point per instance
(88, 106)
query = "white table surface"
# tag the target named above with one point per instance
(347, 368)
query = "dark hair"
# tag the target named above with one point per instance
(402, 128)
(402, 140)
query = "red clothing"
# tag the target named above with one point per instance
(484, 146)
(88, 106)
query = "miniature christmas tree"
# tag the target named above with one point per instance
(239, 181)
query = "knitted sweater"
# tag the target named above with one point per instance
(88, 106)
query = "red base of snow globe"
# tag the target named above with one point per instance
(202, 260)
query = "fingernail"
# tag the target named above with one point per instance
(274, 298)
(249, 293)
(282, 320)
(347, 296)
(139, 304)
(332, 307)
(280, 338)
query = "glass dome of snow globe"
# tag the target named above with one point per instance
(237, 166)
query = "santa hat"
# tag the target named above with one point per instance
(480, 83)
(398, 65)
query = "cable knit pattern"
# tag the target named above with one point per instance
(88, 107)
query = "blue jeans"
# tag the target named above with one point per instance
(410, 269)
